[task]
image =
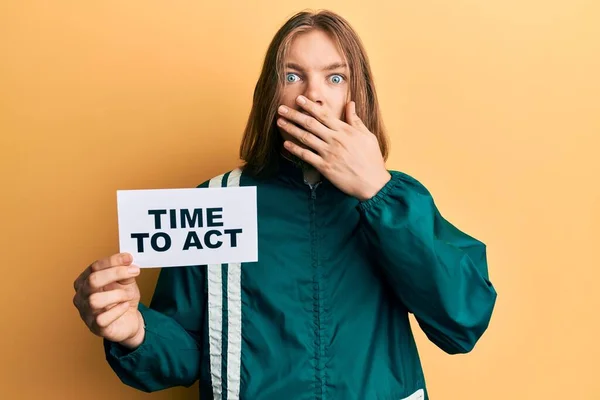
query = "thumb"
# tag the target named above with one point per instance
(352, 118)
(350, 112)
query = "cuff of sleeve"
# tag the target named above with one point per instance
(117, 352)
(383, 193)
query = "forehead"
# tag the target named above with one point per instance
(313, 49)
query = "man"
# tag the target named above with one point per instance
(347, 249)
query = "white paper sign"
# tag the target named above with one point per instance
(183, 227)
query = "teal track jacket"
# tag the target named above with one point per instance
(324, 313)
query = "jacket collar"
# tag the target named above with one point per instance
(293, 172)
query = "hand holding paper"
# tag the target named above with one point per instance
(163, 228)
(107, 297)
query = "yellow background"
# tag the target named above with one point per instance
(493, 104)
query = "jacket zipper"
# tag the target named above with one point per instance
(317, 303)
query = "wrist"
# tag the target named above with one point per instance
(375, 186)
(137, 339)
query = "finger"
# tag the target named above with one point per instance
(101, 300)
(82, 277)
(304, 137)
(308, 122)
(101, 264)
(322, 114)
(113, 261)
(108, 317)
(305, 154)
(77, 302)
(97, 280)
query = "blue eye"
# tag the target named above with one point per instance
(337, 79)
(290, 77)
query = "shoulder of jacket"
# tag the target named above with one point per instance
(217, 181)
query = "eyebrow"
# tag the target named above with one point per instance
(330, 67)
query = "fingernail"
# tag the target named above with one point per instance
(301, 100)
(281, 122)
(133, 270)
(283, 109)
(125, 258)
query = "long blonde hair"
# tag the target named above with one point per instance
(262, 143)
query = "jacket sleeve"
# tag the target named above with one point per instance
(439, 272)
(170, 354)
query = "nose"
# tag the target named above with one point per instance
(314, 92)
